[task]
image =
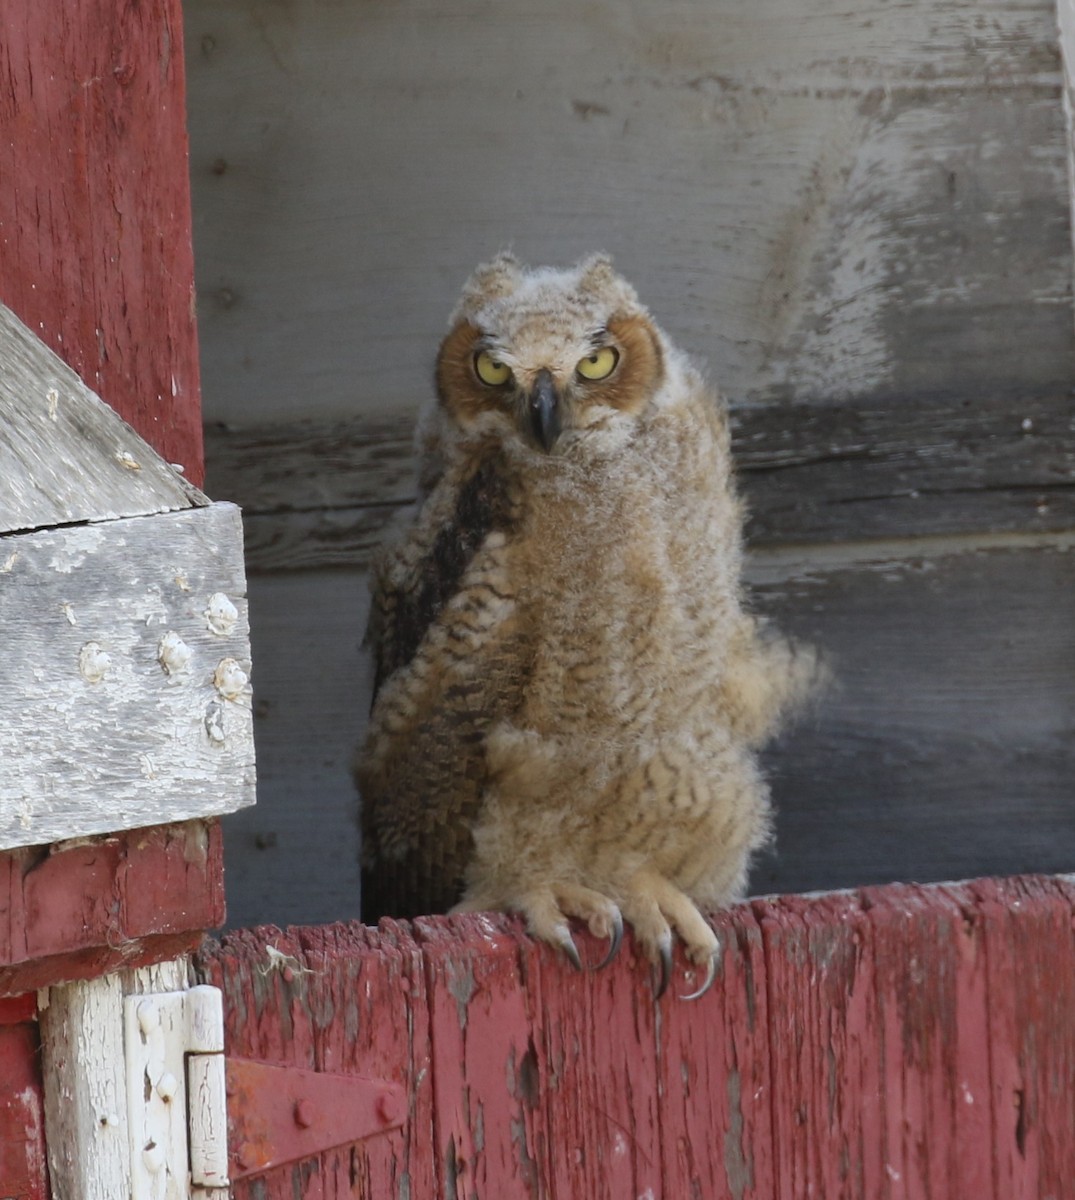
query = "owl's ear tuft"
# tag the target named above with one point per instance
(491, 281)
(597, 277)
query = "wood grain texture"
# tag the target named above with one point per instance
(23, 1172)
(75, 910)
(322, 493)
(99, 730)
(943, 749)
(65, 456)
(825, 201)
(344, 999)
(95, 205)
(900, 1041)
(86, 1115)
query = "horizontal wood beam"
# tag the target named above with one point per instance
(76, 910)
(900, 1040)
(320, 493)
(124, 693)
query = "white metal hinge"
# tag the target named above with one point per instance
(176, 1106)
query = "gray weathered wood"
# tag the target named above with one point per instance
(943, 750)
(65, 456)
(106, 721)
(825, 200)
(319, 493)
(293, 857)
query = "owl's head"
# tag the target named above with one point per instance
(548, 357)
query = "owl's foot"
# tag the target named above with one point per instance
(547, 913)
(654, 907)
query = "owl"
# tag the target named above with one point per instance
(569, 693)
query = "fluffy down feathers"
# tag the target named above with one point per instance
(569, 691)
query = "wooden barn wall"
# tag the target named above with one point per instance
(858, 217)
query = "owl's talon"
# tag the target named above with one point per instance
(665, 950)
(615, 939)
(707, 983)
(566, 943)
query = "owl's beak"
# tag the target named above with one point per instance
(544, 410)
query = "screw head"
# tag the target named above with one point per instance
(390, 1107)
(305, 1113)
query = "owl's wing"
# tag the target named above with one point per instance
(422, 770)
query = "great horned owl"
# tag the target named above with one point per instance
(569, 693)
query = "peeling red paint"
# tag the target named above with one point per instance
(904, 1041)
(74, 911)
(95, 206)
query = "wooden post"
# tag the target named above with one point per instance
(95, 230)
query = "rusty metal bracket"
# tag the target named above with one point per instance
(279, 1115)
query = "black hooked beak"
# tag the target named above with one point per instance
(544, 410)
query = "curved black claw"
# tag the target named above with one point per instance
(666, 967)
(614, 941)
(707, 983)
(570, 949)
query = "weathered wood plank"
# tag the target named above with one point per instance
(78, 909)
(124, 698)
(867, 199)
(943, 751)
(95, 206)
(321, 493)
(715, 1074)
(65, 456)
(86, 1119)
(23, 1173)
(338, 998)
(1030, 965)
(902, 1041)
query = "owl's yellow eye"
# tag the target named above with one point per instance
(598, 365)
(489, 370)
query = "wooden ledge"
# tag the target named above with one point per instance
(920, 1034)
(77, 909)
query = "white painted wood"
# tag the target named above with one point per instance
(124, 694)
(154, 1028)
(824, 199)
(207, 1104)
(65, 456)
(85, 1084)
(85, 1091)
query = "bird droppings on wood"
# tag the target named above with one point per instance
(174, 654)
(220, 614)
(230, 680)
(93, 662)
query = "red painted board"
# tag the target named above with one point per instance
(23, 1174)
(595, 1114)
(95, 227)
(483, 1058)
(339, 998)
(714, 1071)
(74, 910)
(895, 1043)
(1030, 965)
